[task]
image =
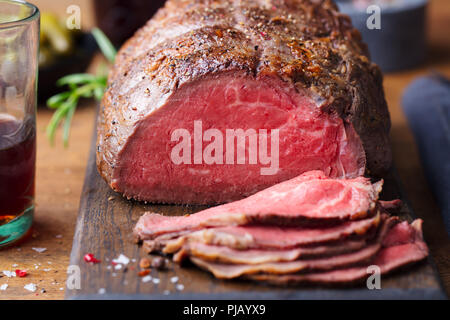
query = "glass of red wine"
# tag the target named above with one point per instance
(19, 45)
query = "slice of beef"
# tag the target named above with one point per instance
(222, 254)
(229, 271)
(392, 204)
(269, 237)
(296, 66)
(400, 249)
(309, 198)
(404, 233)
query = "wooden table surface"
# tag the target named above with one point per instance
(60, 174)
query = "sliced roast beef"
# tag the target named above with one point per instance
(222, 254)
(292, 251)
(311, 198)
(398, 251)
(270, 237)
(298, 67)
(229, 271)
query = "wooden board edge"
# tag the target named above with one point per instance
(84, 200)
(319, 294)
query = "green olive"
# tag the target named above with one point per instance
(58, 37)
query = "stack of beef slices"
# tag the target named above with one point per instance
(310, 229)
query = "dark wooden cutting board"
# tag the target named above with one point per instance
(104, 228)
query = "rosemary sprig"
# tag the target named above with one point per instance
(80, 85)
(105, 45)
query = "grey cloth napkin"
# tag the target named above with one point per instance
(426, 103)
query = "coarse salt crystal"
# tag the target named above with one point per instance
(4, 286)
(174, 279)
(40, 250)
(155, 280)
(58, 236)
(15, 265)
(30, 287)
(179, 287)
(122, 259)
(147, 279)
(101, 291)
(47, 269)
(9, 274)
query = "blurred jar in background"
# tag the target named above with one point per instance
(119, 19)
(19, 43)
(398, 41)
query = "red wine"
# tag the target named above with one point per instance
(17, 166)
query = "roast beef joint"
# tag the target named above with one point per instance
(295, 71)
